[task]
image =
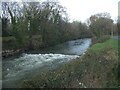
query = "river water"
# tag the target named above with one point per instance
(27, 65)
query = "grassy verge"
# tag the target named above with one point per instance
(98, 68)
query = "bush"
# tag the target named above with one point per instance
(103, 39)
(8, 39)
(9, 43)
(100, 40)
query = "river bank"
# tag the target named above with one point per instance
(9, 52)
(21, 67)
(96, 69)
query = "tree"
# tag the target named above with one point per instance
(101, 24)
(46, 21)
(5, 30)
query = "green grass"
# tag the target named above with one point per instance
(109, 43)
(98, 68)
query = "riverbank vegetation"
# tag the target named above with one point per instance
(35, 25)
(98, 68)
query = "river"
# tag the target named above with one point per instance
(22, 67)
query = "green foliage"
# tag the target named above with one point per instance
(100, 40)
(103, 39)
(10, 43)
(5, 27)
(46, 20)
(101, 24)
(43, 19)
(7, 39)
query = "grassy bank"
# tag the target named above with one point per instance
(98, 68)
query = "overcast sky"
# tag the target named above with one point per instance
(83, 9)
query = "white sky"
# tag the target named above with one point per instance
(82, 9)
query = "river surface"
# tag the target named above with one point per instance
(27, 65)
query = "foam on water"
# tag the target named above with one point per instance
(28, 65)
(28, 62)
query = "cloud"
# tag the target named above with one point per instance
(83, 9)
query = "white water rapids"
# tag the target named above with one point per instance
(33, 61)
(27, 65)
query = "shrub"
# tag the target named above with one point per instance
(9, 43)
(100, 40)
(103, 39)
